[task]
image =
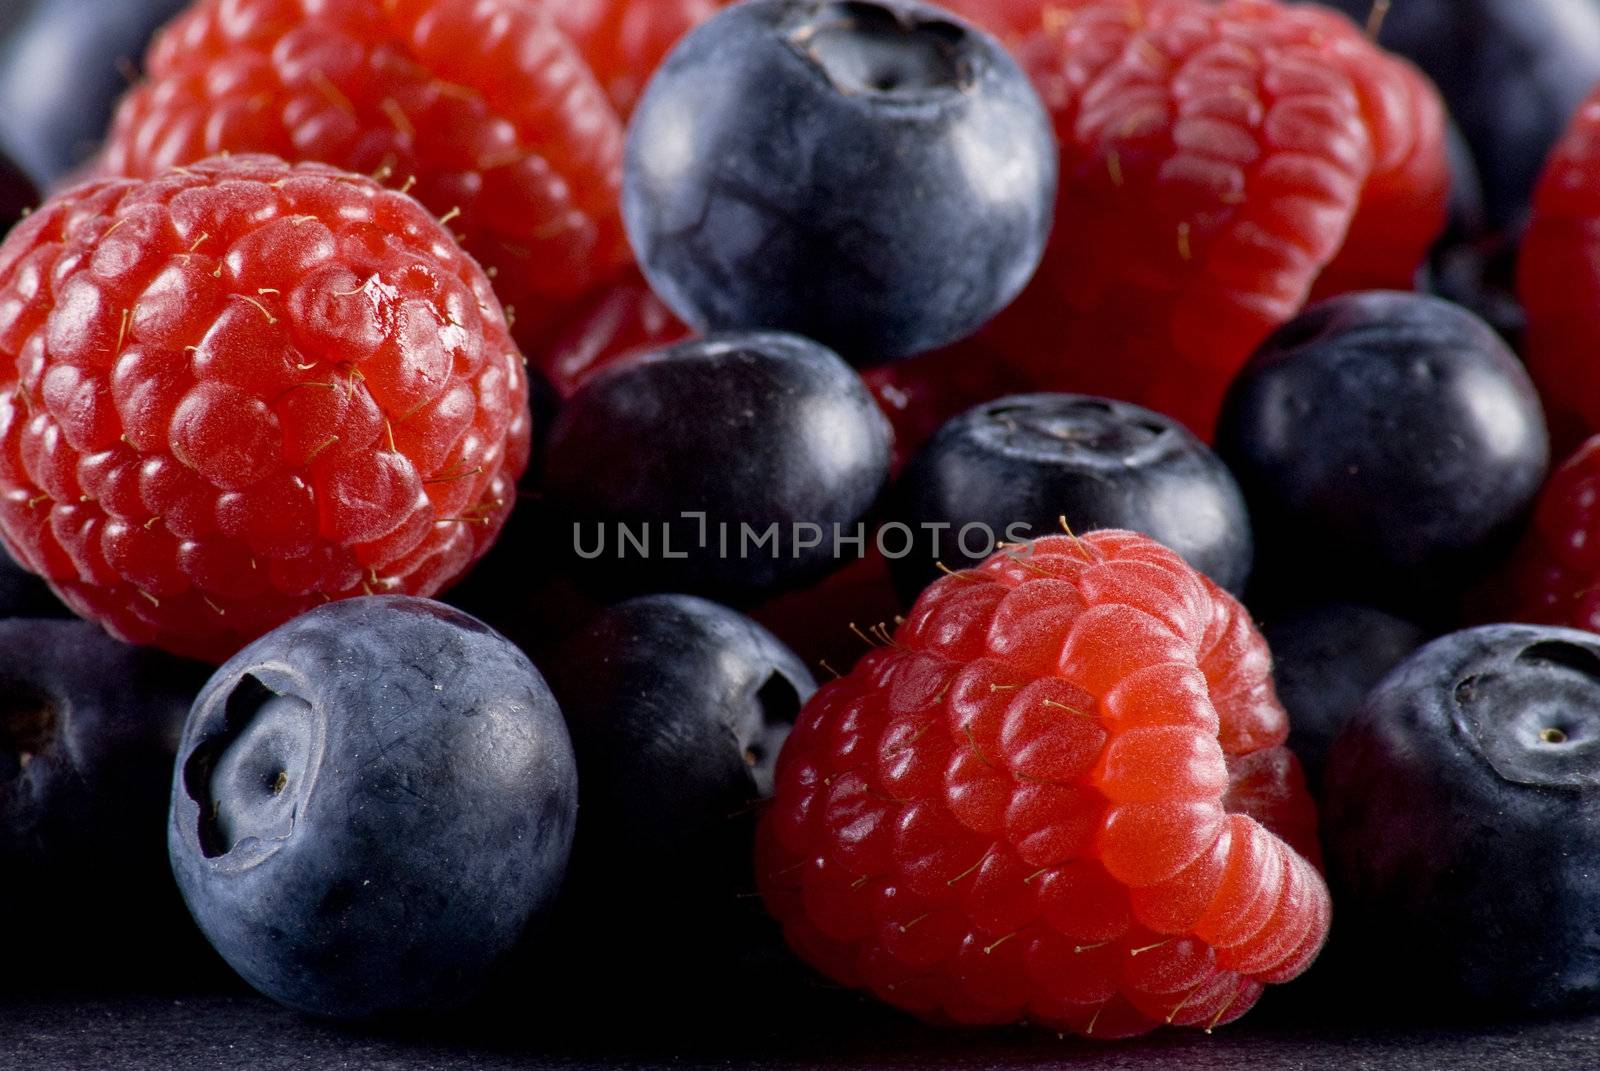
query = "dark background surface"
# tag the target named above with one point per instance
(239, 1031)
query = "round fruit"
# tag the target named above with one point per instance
(1017, 467)
(88, 729)
(1462, 827)
(1392, 439)
(370, 805)
(484, 109)
(1558, 276)
(874, 174)
(1221, 162)
(1059, 794)
(245, 389)
(729, 466)
(1512, 72)
(677, 708)
(1325, 661)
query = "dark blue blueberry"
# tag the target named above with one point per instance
(1325, 660)
(1013, 468)
(88, 731)
(62, 72)
(1461, 817)
(874, 174)
(1513, 72)
(1388, 444)
(371, 803)
(677, 708)
(758, 432)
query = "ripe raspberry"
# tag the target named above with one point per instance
(1221, 163)
(1555, 576)
(1559, 281)
(626, 40)
(620, 320)
(1057, 796)
(238, 390)
(485, 104)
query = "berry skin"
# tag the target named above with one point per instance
(1461, 825)
(1558, 280)
(1555, 577)
(869, 173)
(1391, 438)
(1021, 465)
(678, 708)
(1325, 661)
(1513, 72)
(486, 104)
(618, 322)
(62, 71)
(1058, 796)
(87, 738)
(1220, 163)
(370, 805)
(760, 433)
(233, 392)
(625, 40)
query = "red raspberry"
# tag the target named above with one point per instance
(1555, 577)
(1559, 281)
(1056, 795)
(626, 40)
(484, 109)
(1221, 163)
(238, 390)
(620, 320)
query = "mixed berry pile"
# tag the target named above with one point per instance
(467, 431)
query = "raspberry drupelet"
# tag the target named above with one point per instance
(1558, 279)
(1555, 577)
(1058, 793)
(485, 110)
(1220, 164)
(241, 389)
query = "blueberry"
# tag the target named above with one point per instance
(88, 731)
(758, 432)
(1462, 822)
(1325, 660)
(61, 73)
(1513, 72)
(371, 803)
(1388, 445)
(874, 174)
(678, 708)
(1014, 467)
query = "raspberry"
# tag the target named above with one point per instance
(238, 390)
(625, 40)
(1555, 577)
(484, 109)
(1057, 795)
(1559, 280)
(620, 320)
(1221, 163)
